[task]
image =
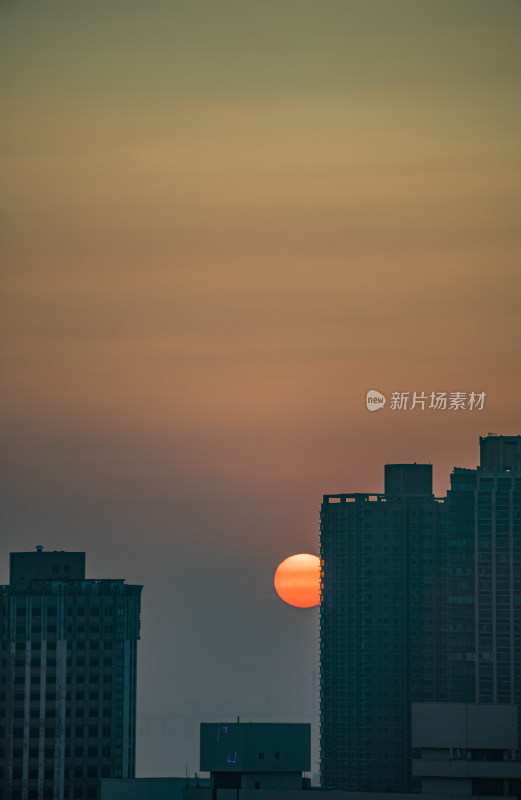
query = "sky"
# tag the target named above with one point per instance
(221, 225)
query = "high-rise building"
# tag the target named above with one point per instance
(484, 576)
(380, 639)
(68, 650)
(421, 601)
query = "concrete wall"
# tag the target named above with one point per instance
(271, 780)
(255, 747)
(146, 788)
(464, 725)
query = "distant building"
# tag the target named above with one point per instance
(68, 650)
(421, 601)
(380, 627)
(467, 749)
(484, 576)
(463, 750)
(253, 757)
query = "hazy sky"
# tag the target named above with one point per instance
(222, 223)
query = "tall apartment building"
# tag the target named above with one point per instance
(421, 601)
(484, 576)
(68, 648)
(380, 641)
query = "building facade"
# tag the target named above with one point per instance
(253, 759)
(68, 649)
(484, 576)
(421, 601)
(466, 749)
(380, 627)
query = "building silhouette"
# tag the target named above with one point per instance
(421, 601)
(464, 749)
(484, 576)
(68, 649)
(380, 627)
(263, 759)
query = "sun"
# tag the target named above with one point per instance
(297, 580)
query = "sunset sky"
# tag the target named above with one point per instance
(221, 224)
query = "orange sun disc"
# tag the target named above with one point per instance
(297, 580)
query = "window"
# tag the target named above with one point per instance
(261, 756)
